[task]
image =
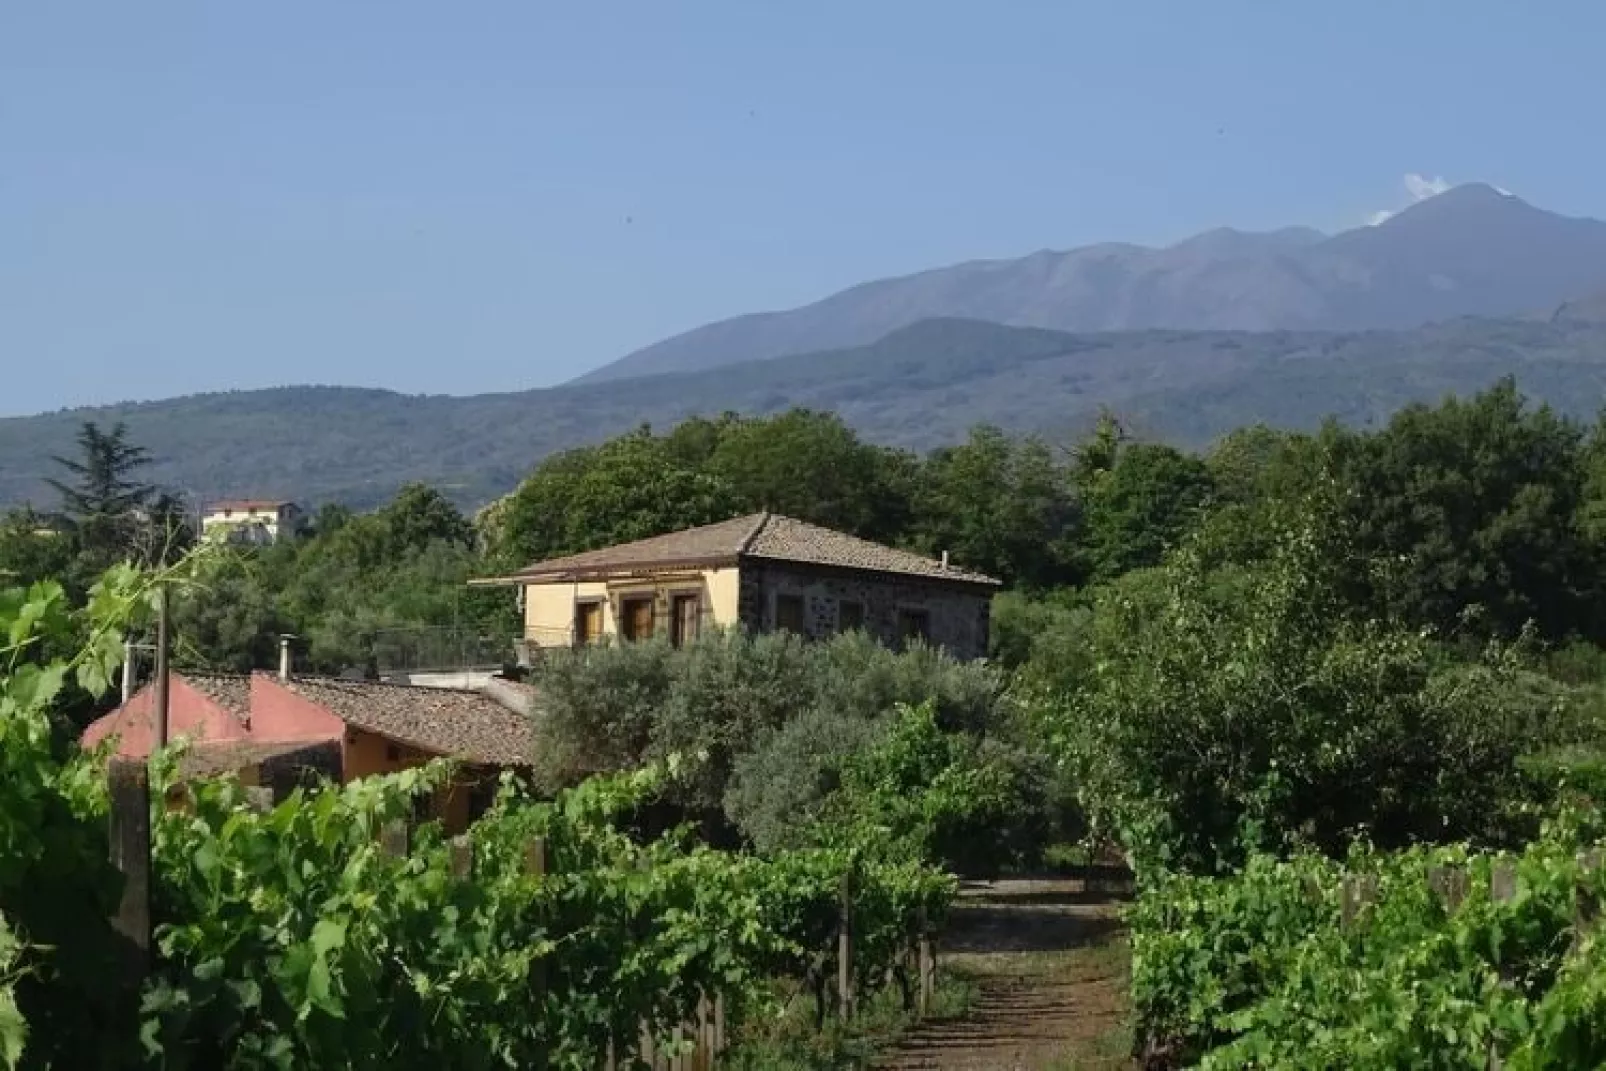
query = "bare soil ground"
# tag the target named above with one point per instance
(1049, 959)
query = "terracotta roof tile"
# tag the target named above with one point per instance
(232, 692)
(691, 546)
(462, 724)
(767, 536)
(784, 539)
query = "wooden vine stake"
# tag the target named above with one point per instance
(1586, 905)
(927, 965)
(1359, 890)
(844, 949)
(462, 857)
(1503, 882)
(393, 839)
(130, 839)
(1451, 884)
(535, 866)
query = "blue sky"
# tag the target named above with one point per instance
(455, 198)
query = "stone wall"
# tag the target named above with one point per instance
(958, 615)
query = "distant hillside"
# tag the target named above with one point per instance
(918, 387)
(1469, 251)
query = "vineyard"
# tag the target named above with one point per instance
(1431, 957)
(305, 935)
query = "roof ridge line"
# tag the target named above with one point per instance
(747, 540)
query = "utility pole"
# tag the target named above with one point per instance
(160, 711)
(128, 669)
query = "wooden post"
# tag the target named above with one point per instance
(610, 1059)
(128, 669)
(535, 867)
(1451, 884)
(462, 857)
(707, 1042)
(393, 839)
(1503, 881)
(1586, 905)
(926, 965)
(646, 1050)
(1358, 892)
(159, 712)
(844, 949)
(130, 836)
(535, 857)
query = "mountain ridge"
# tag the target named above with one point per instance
(917, 387)
(1471, 250)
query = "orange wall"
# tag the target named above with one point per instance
(368, 754)
(277, 713)
(190, 713)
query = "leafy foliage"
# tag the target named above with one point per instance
(925, 794)
(57, 889)
(769, 718)
(1230, 709)
(1260, 968)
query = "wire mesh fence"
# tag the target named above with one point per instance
(437, 649)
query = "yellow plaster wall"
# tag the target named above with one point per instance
(549, 609)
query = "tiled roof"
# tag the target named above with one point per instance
(249, 504)
(462, 724)
(232, 692)
(784, 539)
(767, 536)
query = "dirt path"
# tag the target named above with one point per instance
(1050, 963)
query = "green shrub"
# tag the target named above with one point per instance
(1229, 709)
(766, 719)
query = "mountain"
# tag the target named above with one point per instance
(919, 386)
(1470, 251)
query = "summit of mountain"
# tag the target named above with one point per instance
(1473, 250)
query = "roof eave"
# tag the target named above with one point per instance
(566, 574)
(964, 580)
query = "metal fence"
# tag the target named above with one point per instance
(437, 649)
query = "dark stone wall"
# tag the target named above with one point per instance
(958, 617)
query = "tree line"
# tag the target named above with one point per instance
(1475, 518)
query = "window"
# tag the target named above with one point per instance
(588, 621)
(481, 798)
(914, 625)
(849, 616)
(789, 613)
(637, 615)
(683, 620)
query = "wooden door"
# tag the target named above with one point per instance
(684, 620)
(638, 619)
(588, 622)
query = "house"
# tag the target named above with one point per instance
(274, 731)
(763, 572)
(251, 521)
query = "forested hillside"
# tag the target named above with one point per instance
(920, 387)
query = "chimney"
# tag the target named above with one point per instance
(945, 561)
(284, 656)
